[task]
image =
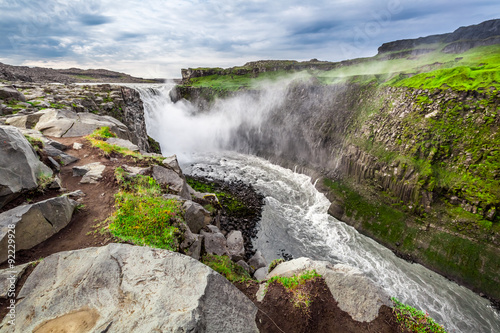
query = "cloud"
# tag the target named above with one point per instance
(158, 38)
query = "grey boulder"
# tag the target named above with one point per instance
(236, 245)
(20, 167)
(196, 216)
(8, 93)
(122, 143)
(257, 261)
(34, 223)
(123, 288)
(174, 181)
(215, 243)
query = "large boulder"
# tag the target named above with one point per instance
(66, 123)
(33, 224)
(124, 288)
(355, 293)
(19, 165)
(8, 93)
(174, 180)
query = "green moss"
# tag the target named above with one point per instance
(413, 320)
(226, 267)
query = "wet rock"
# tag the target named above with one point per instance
(124, 288)
(34, 223)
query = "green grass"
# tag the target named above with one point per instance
(300, 297)
(226, 267)
(413, 320)
(97, 138)
(275, 263)
(143, 216)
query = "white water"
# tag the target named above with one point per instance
(295, 218)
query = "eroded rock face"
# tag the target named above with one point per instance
(34, 223)
(124, 288)
(8, 93)
(19, 165)
(355, 293)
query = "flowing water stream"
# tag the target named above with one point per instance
(295, 219)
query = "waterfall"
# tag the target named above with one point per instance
(295, 218)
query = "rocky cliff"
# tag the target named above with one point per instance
(415, 169)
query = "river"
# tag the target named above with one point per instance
(295, 219)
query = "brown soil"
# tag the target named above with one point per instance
(277, 313)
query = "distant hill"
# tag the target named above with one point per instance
(71, 75)
(461, 40)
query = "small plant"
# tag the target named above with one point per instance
(36, 262)
(35, 142)
(413, 320)
(226, 267)
(295, 284)
(275, 263)
(43, 181)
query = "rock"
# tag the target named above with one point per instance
(94, 173)
(66, 159)
(245, 266)
(196, 216)
(57, 145)
(257, 261)
(192, 244)
(260, 274)
(91, 172)
(25, 121)
(54, 164)
(491, 214)
(355, 293)
(77, 146)
(172, 179)
(122, 143)
(66, 123)
(56, 183)
(215, 243)
(9, 278)
(454, 200)
(236, 245)
(134, 171)
(10, 93)
(19, 165)
(336, 210)
(75, 194)
(124, 288)
(213, 229)
(172, 163)
(34, 223)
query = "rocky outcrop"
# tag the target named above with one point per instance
(33, 224)
(124, 288)
(19, 165)
(9, 93)
(355, 293)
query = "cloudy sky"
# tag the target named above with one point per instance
(156, 38)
